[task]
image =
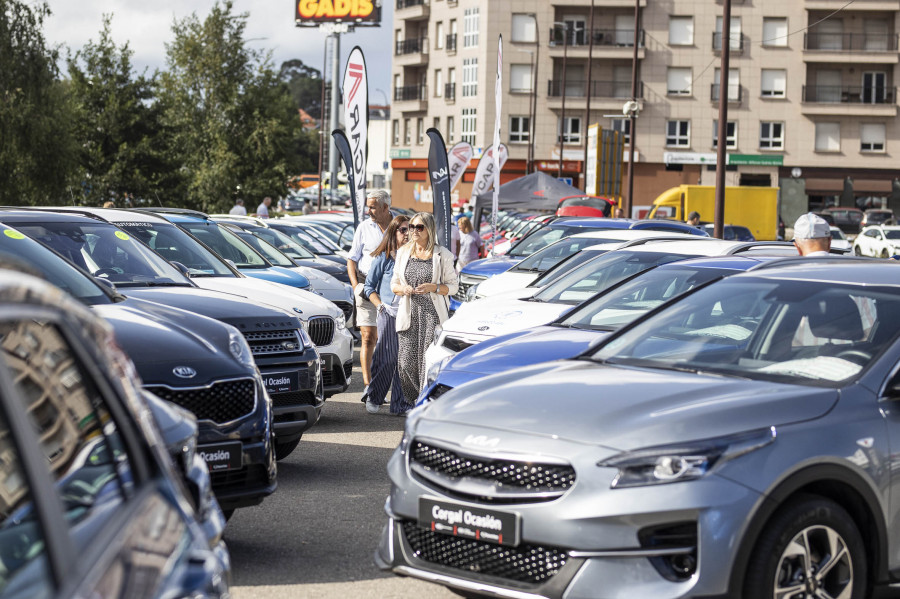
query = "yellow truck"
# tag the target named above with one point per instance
(753, 207)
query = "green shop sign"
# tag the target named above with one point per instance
(756, 159)
(399, 153)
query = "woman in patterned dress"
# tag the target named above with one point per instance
(424, 278)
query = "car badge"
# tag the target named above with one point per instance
(289, 345)
(298, 310)
(184, 372)
(483, 328)
(482, 441)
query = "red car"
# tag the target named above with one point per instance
(585, 205)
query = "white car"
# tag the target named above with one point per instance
(878, 240)
(520, 309)
(323, 320)
(839, 241)
(529, 269)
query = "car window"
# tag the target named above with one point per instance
(539, 240)
(226, 244)
(552, 255)
(266, 249)
(23, 558)
(175, 246)
(871, 233)
(91, 471)
(283, 243)
(892, 234)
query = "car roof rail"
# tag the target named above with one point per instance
(167, 210)
(806, 260)
(663, 237)
(748, 246)
(251, 220)
(63, 209)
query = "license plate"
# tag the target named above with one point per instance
(458, 520)
(222, 456)
(325, 362)
(282, 382)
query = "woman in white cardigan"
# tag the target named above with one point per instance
(424, 278)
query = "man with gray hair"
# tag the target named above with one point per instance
(812, 235)
(366, 239)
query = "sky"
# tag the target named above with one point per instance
(147, 26)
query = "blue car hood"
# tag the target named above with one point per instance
(488, 267)
(277, 274)
(624, 409)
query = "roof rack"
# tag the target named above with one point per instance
(747, 246)
(805, 260)
(64, 209)
(165, 210)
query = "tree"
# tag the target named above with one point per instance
(36, 145)
(228, 119)
(116, 123)
(305, 85)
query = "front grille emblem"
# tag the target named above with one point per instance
(298, 310)
(483, 328)
(184, 372)
(288, 345)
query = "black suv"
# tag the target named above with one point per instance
(281, 349)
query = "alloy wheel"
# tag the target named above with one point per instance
(815, 564)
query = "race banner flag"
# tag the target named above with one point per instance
(484, 174)
(459, 157)
(355, 92)
(439, 173)
(498, 105)
(343, 147)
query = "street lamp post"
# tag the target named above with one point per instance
(534, 81)
(587, 120)
(387, 135)
(562, 119)
(632, 117)
(718, 215)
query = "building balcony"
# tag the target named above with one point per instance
(411, 53)
(604, 94)
(735, 94)
(450, 43)
(850, 47)
(737, 43)
(411, 98)
(412, 10)
(607, 43)
(599, 4)
(858, 6)
(450, 92)
(849, 101)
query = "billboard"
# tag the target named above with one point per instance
(358, 13)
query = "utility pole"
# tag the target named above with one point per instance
(534, 83)
(336, 30)
(322, 124)
(562, 119)
(632, 117)
(722, 142)
(587, 120)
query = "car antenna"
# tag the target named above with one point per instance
(157, 199)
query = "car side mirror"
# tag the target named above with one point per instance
(182, 268)
(106, 283)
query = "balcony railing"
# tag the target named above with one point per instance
(451, 42)
(623, 38)
(409, 93)
(850, 42)
(734, 92)
(413, 46)
(410, 3)
(834, 94)
(599, 89)
(450, 91)
(737, 42)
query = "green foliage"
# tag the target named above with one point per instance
(36, 145)
(305, 85)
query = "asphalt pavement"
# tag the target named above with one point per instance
(315, 536)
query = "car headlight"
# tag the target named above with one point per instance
(341, 321)
(676, 463)
(472, 293)
(435, 369)
(305, 338)
(240, 349)
(438, 330)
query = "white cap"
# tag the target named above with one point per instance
(811, 226)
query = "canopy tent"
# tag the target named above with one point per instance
(537, 191)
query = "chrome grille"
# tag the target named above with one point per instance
(466, 281)
(271, 343)
(488, 479)
(321, 330)
(526, 563)
(220, 402)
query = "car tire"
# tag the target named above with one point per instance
(283, 450)
(856, 250)
(885, 253)
(813, 529)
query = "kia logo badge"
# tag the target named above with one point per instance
(484, 328)
(184, 372)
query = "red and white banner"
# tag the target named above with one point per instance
(355, 92)
(458, 158)
(486, 171)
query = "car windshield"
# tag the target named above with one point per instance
(567, 265)
(321, 237)
(788, 330)
(588, 202)
(283, 243)
(837, 234)
(268, 251)
(892, 233)
(633, 298)
(175, 245)
(107, 252)
(540, 239)
(601, 273)
(226, 244)
(18, 250)
(304, 239)
(545, 259)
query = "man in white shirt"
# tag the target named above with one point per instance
(238, 208)
(262, 211)
(812, 235)
(366, 239)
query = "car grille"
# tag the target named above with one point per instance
(321, 330)
(293, 398)
(255, 475)
(346, 308)
(488, 479)
(272, 343)
(466, 281)
(348, 370)
(220, 402)
(526, 563)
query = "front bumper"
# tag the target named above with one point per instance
(439, 350)
(297, 403)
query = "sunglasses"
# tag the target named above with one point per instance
(418, 228)
(403, 230)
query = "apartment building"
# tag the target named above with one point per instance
(811, 89)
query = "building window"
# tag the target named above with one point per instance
(828, 137)
(439, 35)
(774, 83)
(775, 31)
(524, 28)
(771, 136)
(520, 78)
(395, 128)
(470, 28)
(681, 31)
(569, 131)
(730, 135)
(437, 123)
(623, 126)
(734, 35)
(470, 77)
(734, 85)
(420, 131)
(871, 137)
(438, 83)
(469, 122)
(679, 81)
(451, 125)
(519, 129)
(678, 134)
(407, 134)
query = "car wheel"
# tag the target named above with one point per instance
(283, 450)
(885, 254)
(856, 250)
(810, 548)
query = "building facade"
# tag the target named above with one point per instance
(811, 89)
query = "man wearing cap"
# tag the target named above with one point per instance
(812, 235)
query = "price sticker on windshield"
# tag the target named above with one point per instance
(122, 236)
(13, 234)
